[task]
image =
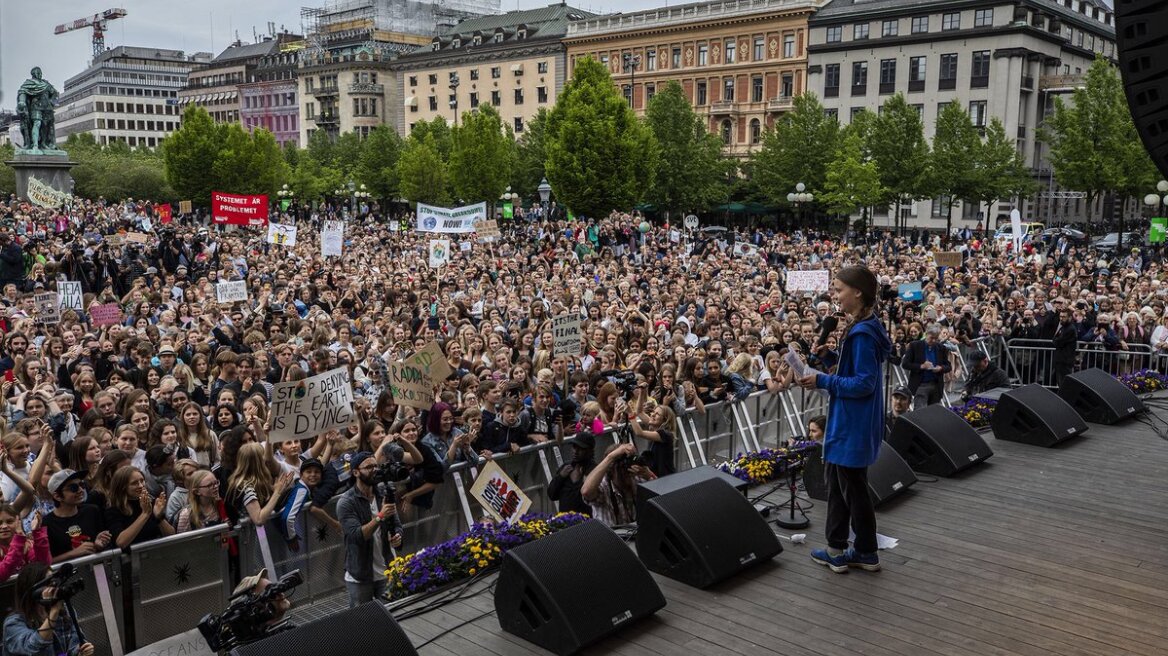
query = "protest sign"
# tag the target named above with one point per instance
(185, 207)
(499, 495)
(464, 246)
(910, 291)
(1159, 230)
(165, 213)
(566, 332)
(48, 309)
(1016, 229)
(450, 220)
(105, 315)
(488, 229)
(332, 239)
(675, 236)
(282, 235)
(190, 643)
(137, 238)
(115, 240)
(743, 249)
(808, 281)
(439, 252)
(69, 295)
(234, 209)
(508, 211)
(412, 380)
(43, 195)
(947, 259)
(311, 406)
(230, 292)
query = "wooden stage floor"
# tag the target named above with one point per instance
(1036, 551)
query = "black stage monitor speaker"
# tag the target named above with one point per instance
(1035, 415)
(366, 629)
(572, 588)
(934, 440)
(1099, 398)
(684, 479)
(887, 477)
(1141, 29)
(703, 534)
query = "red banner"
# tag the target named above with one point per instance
(164, 212)
(239, 210)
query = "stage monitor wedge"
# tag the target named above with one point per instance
(684, 479)
(1035, 415)
(934, 440)
(888, 477)
(1141, 31)
(574, 587)
(702, 534)
(366, 629)
(1099, 398)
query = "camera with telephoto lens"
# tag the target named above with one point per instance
(248, 617)
(66, 583)
(625, 381)
(387, 475)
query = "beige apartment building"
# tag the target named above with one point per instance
(740, 62)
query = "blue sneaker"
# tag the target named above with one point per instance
(869, 562)
(838, 563)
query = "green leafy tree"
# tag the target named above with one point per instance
(898, 146)
(1000, 170)
(347, 154)
(956, 149)
(421, 172)
(481, 156)
(693, 174)
(7, 173)
(600, 157)
(853, 181)
(531, 155)
(377, 168)
(797, 149)
(439, 129)
(189, 154)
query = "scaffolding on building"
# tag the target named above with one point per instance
(385, 25)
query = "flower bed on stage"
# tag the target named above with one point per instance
(762, 466)
(976, 412)
(1144, 381)
(479, 549)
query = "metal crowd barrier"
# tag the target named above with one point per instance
(177, 580)
(1032, 360)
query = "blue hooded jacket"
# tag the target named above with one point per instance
(855, 417)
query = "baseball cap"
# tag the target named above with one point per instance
(357, 459)
(902, 390)
(58, 480)
(248, 583)
(311, 462)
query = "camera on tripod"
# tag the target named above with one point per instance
(66, 584)
(249, 617)
(625, 381)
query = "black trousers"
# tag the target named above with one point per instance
(848, 504)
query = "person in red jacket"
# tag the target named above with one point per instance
(16, 550)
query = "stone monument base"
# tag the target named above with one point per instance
(53, 170)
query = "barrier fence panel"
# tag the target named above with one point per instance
(176, 580)
(1032, 360)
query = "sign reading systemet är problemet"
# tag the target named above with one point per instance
(306, 408)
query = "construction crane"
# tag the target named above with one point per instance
(98, 22)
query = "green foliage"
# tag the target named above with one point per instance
(377, 168)
(599, 155)
(422, 173)
(853, 181)
(7, 174)
(189, 154)
(897, 145)
(693, 174)
(796, 150)
(956, 149)
(115, 171)
(439, 129)
(530, 155)
(481, 157)
(1001, 172)
(346, 154)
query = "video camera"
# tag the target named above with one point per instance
(249, 617)
(387, 475)
(66, 583)
(625, 381)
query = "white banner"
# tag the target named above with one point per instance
(1016, 228)
(332, 238)
(566, 332)
(450, 220)
(42, 194)
(69, 295)
(439, 252)
(311, 406)
(281, 235)
(230, 292)
(808, 281)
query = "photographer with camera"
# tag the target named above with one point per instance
(38, 626)
(370, 526)
(611, 487)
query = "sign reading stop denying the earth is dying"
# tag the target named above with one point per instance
(306, 408)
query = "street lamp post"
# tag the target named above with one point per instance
(1156, 201)
(631, 62)
(545, 194)
(798, 197)
(508, 197)
(287, 194)
(454, 93)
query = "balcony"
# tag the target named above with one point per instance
(780, 104)
(722, 107)
(327, 119)
(367, 87)
(1062, 83)
(324, 92)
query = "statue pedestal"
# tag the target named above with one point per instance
(53, 170)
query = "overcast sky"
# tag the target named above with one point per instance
(27, 39)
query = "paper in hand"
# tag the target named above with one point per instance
(797, 365)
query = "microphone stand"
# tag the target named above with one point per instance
(792, 522)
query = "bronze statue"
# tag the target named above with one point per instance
(34, 106)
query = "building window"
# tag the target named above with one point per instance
(887, 75)
(756, 89)
(759, 48)
(755, 131)
(496, 72)
(787, 85)
(831, 80)
(675, 58)
(518, 124)
(951, 21)
(859, 78)
(859, 31)
(433, 103)
(519, 96)
(728, 88)
(474, 73)
(541, 94)
(433, 78)
(789, 46)
(940, 207)
(948, 75)
(727, 132)
(920, 24)
(541, 68)
(627, 94)
(496, 98)
(835, 34)
(731, 51)
(979, 74)
(916, 73)
(650, 91)
(889, 27)
(832, 113)
(702, 96)
(983, 18)
(977, 114)
(920, 111)
(703, 51)
(474, 99)
(651, 60)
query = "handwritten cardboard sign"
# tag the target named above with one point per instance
(105, 315)
(488, 228)
(69, 295)
(412, 380)
(230, 292)
(48, 307)
(332, 239)
(499, 495)
(566, 331)
(311, 406)
(947, 258)
(808, 281)
(281, 235)
(137, 238)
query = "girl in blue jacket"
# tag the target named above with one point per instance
(855, 424)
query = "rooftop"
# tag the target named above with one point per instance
(687, 13)
(843, 8)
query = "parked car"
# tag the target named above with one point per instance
(1108, 243)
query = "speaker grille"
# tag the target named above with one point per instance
(366, 629)
(1142, 31)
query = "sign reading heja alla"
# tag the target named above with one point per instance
(566, 332)
(308, 407)
(412, 380)
(105, 315)
(230, 292)
(808, 281)
(70, 296)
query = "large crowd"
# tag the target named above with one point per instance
(157, 424)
